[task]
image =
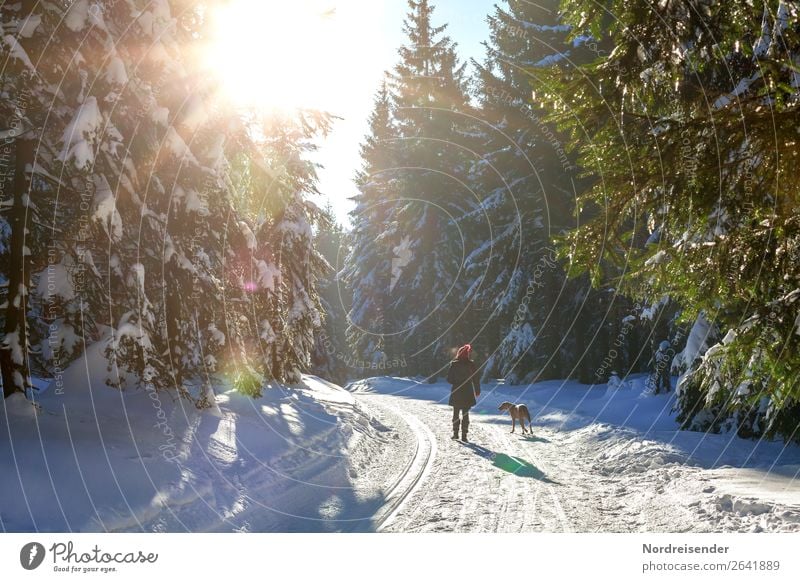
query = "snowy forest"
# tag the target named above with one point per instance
(139, 212)
(590, 188)
(597, 187)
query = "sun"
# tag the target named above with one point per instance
(279, 54)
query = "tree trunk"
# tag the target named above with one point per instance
(15, 370)
(172, 313)
(277, 354)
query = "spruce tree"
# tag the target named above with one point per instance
(691, 117)
(406, 258)
(430, 93)
(527, 180)
(329, 358)
(43, 250)
(368, 267)
(282, 313)
(122, 222)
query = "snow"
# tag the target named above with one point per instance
(521, 340)
(402, 257)
(175, 144)
(30, 25)
(551, 60)
(81, 133)
(697, 344)
(267, 333)
(195, 203)
(216, 334)
(582, 39)
(268, 275)
(60, 342)
(160, 115)
(11, 342)
(15, 50)
(156, 21)
(648, 313)
(77, 15)
(762, 45)
(161, 17)
(99, 459)
(600, 458)
(315, 457)
(105, 208)
(657, 259)
(544, 27)
(96, 17)
(55, 281)
(19, 407)
(193, 113)
(738, 91)
(115, 72)
(81, 153)
(616, 383)
(249, 237)
(300, 227)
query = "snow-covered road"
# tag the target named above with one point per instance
(377, 456)
(575, 473)
(471, 486)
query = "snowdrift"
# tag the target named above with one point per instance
(94, 458)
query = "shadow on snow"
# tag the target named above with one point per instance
(513, 465)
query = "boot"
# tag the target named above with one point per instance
(464, 437)
(464, 427)
(456, 423)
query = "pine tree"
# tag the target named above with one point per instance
(692, 116)
(283, 310)
(15, 347)
(527, 179)
(329, 359)
(430, 94)
(406, 256)
(124, 223)
(41, 205)
(368, 267)
(159, 197)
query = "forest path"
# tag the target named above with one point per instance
(566, 476)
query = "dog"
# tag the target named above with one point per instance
(517, 412)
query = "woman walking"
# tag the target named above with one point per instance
(465, 388)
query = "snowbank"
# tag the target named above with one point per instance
(95, 459)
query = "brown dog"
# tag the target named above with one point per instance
(517, 412)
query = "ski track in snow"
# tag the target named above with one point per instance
(414, 474)
(379, 457)
(461, 490)
(566, 477)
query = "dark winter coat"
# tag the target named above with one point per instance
(463, 375)
(662, 362)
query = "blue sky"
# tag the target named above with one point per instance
(339, 153)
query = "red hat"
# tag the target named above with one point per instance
(464, 352)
